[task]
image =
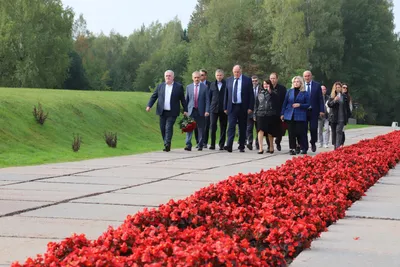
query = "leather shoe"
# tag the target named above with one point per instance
(200, 149)
(250, 146)
(241, 150)
(313, 147)
(212, 147)
(278, 147)
(304, 152)
(167, 148)
(188, 148)
(292, 152)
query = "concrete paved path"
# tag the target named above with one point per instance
(46, 203)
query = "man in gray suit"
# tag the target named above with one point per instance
(198, 101)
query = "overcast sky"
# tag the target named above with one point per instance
(124, 16)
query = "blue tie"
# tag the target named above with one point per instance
(235, 89)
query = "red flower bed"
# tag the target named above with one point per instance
(262, 219)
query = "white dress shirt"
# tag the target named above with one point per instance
(219, 86)
(167, 100)
(239, 90)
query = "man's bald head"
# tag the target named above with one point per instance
(237, 71)
(307, 75)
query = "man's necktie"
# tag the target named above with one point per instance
(196, 92)
(235, 89)
(308, 88)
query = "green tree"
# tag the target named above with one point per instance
(369, 56)
(35, 41)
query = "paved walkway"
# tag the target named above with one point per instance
(46, 203)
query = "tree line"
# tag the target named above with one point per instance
(43, 44)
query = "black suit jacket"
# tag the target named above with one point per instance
(217, 97)
(281, 91)
(177, 95)
(247, 94)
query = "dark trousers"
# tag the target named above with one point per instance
(167, 127)
(200, 121)
(206, 131)
(238, 115)
(337, 134)
(312, 125)
(223, 121)
(296, 133)
(251, 124)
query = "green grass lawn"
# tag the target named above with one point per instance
(88, 113)
(355, 126)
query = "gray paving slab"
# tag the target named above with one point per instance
(38, 170)
(8, 206)
(200, 177)
(19, 249)
(56, 228)
(13, 177)
(143, 172)
(100, 180)
(42, 195)
(354, 242)
(85, 211)
(63, 187)
(131, 199)
(167, 187)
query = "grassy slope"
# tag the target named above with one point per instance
(24, 142)
(89, 113)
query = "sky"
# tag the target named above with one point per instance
(124, 16)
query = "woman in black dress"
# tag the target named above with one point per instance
(267, 115)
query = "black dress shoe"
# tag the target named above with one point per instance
(303, 152)
(226, 148)
(167, 148)
(212, 147)
(229, 149)
(250, 146)
(271, 152)
(292, 152)
(200, 149)
(298, 150)
(205, 146)
(241, 150)
(188, 148)
(313, 147)
(278, 147)
(221, 148)
(260, 152)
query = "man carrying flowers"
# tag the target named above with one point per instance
(198, 102)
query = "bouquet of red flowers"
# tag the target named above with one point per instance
(187, 124)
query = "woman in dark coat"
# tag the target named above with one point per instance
(267, 115)
(339, 114)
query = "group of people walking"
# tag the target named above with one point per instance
(242, 101)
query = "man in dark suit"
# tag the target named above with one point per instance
(169, 94)
(238, 103)
(315, 110)
(281, 91)
(203, 79)
(198, 102)
(217, 93)
(251, 123)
